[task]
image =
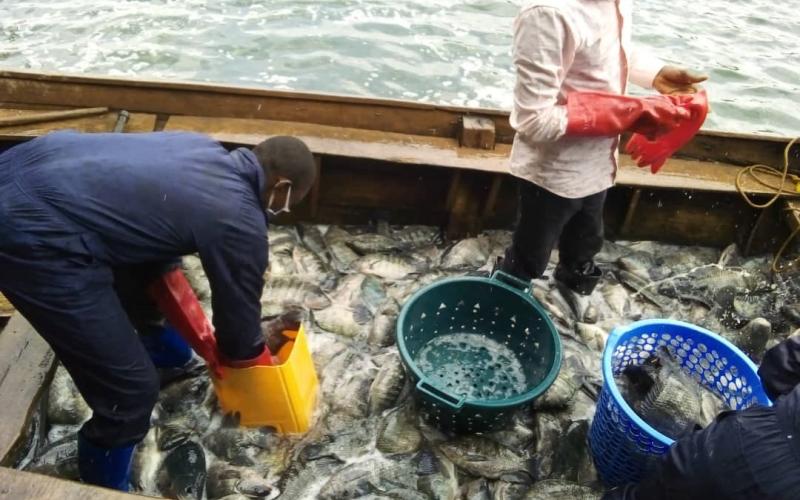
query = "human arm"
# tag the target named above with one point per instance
(235, 263)
(780, 369)
(543, 49)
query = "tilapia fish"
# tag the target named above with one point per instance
(65, 405)
(398, 432)
(183, 472)
(477, 489)
(312, 238)
(437, 476)
(145, 463)
(468, 253)
(59, 459)
(284, 292)
(302, 479)
(388, 383)
(225, 479)
(483, 457)
(389, 478)
(382, 331)
(664, 396)
(239, 445)
(416, 236)
(388, 267)
(344, 320)
(557, 489)
(373, 243)
(338, 439)
(281, 239)
(752, 338)
(310, 264)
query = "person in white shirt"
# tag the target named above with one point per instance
(573, 59)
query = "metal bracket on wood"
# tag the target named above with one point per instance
(477, 132)
(122, 120)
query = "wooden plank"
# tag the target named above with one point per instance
(26, 368)
(681, 174)
(19, 484)
(741, 149)
(477, 132)
(679, 217)
(33, 89)
(210, 100)
(137, 122)
(26, 119)
(351, 142)
(491, 199)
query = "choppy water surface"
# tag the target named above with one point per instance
(443, 51)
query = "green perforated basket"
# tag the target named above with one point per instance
(500, 309)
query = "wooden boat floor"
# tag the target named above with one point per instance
(20, 484)
(26, 368)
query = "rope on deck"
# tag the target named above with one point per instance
(779, 191)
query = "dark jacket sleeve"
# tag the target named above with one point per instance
(780, 369)
(235, 264)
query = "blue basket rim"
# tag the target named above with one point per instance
(527, 396)
(608, 372)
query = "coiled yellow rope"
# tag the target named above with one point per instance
(753, 171)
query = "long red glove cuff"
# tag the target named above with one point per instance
(656, 152)
(179, 305)
(602, 114)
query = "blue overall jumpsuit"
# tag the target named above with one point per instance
(752, 454)
(86, 220)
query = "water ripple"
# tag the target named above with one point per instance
(442, 51)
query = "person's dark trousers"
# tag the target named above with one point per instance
(545, 220)
(56, 276)
(740, 456)
(80, 316)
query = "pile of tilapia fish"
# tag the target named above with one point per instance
(368, 440)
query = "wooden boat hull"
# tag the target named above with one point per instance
(404, 162)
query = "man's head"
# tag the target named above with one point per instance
(286, 159)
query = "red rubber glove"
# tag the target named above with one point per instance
(178, 303)
(601, 114)
(654, 152)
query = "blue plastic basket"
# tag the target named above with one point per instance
(623, 445)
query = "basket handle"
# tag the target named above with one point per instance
(511, 280)
(440, 396)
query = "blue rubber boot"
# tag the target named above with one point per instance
(166, 347)
(107, 467)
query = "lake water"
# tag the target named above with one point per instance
(440, 51)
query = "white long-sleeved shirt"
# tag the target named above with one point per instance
(561, 46)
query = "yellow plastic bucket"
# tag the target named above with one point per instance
(280, 396)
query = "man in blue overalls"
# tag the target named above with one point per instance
(88, 221)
